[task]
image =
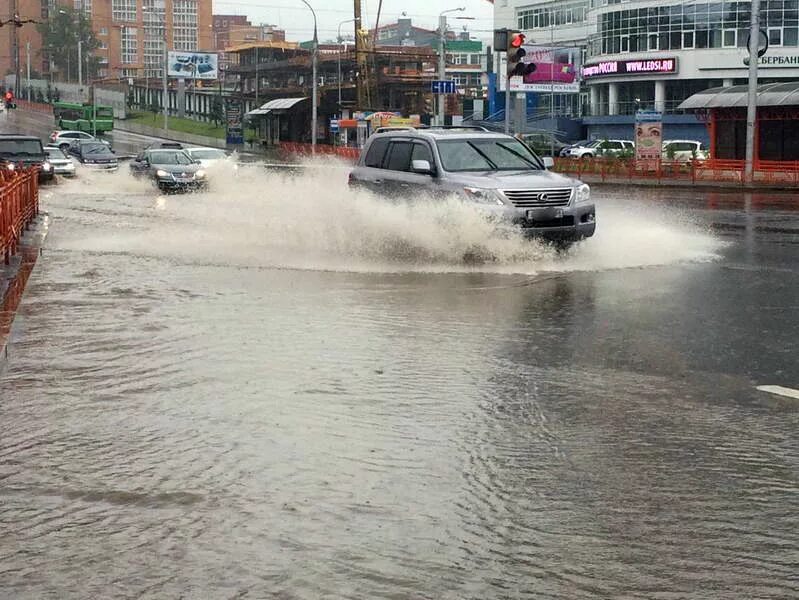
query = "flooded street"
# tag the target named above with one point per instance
(279, 389)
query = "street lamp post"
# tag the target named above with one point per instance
(442, 61)
(340, 40)
(751, 105)
(314, 107)
(164, 81)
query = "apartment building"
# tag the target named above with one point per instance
(26, 35)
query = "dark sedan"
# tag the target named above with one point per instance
(170, 170)
(95, 155)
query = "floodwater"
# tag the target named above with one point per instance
(279, 389)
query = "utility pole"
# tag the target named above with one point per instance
(28, 71)
(256, 77)
(442, 67)
(14, 44)
(80, 63)
(751, 107)
(361, 80)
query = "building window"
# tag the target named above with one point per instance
(129, 45)
(154, 35)
(568, 13)
(184, 24)
(123, 10)
(682, 25)
(102, 31)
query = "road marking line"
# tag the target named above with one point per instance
(779, 391)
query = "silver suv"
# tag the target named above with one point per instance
(494, 170)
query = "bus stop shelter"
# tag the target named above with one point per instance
(776, 127)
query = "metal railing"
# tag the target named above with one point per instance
(19, 205)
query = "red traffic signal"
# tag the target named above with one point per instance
(516, 54)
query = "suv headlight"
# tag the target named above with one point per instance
(45, 166)
(583, 194)
(199, 174)
(483, 196)
(162, 173)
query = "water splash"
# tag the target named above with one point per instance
(312, 220)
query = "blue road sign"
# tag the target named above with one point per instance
(443, 87)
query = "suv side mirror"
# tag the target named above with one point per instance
(549, 162)
(422, 167)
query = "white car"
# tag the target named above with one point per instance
(210, 157)
(683, 150)
(63, 139)
(62, 164)
(600, 148)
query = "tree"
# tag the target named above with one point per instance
(60, 34)
(217, 112)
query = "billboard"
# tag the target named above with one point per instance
(193, 65)
(630, 67)
(648, 134)
(556, 70)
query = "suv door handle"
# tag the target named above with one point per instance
(377, 181)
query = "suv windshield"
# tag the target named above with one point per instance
(497, 154)
(95, 148)
(20, 147)
(173, 157)
(55, 153)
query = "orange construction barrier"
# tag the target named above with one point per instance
(19, 205)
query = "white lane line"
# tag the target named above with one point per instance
(779, 391)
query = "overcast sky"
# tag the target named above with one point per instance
(295, 18)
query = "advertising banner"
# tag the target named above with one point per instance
(648, 134)
(193, 65)
(233, 122)
(556, 71)
(609, 68)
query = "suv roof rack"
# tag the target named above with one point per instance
(394, 128)
(477, 127)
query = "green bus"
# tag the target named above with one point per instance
(83, 117)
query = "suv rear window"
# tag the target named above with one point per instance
(376, 152)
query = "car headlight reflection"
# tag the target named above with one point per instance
(162, 173)
(583, 194)
(199, 174)
(483, 196)
(46, 166)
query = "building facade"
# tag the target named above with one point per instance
(653, 54)
(25, 38)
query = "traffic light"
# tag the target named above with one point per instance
(516, 53)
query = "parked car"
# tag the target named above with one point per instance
(94, 154)
(26, 150)
(170, 169)
(543, 143)
(493, 170)
(63, 139)
(601, 148)
(565, 150)
(62, 164)
(683, 151)
(211, 157)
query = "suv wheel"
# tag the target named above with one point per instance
(587, 155)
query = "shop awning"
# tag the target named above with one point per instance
(769, 94)
(276, 106)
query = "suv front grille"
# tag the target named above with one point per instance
(539, 198)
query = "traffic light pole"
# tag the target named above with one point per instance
(507, 103)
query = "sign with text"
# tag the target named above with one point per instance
(233, 122)
(443, 87)
(609, 68)
(648, 134)
(555, 71)
(193, 65)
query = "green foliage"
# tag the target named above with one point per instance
(60, 34)
(217, 110)
(671, 152)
